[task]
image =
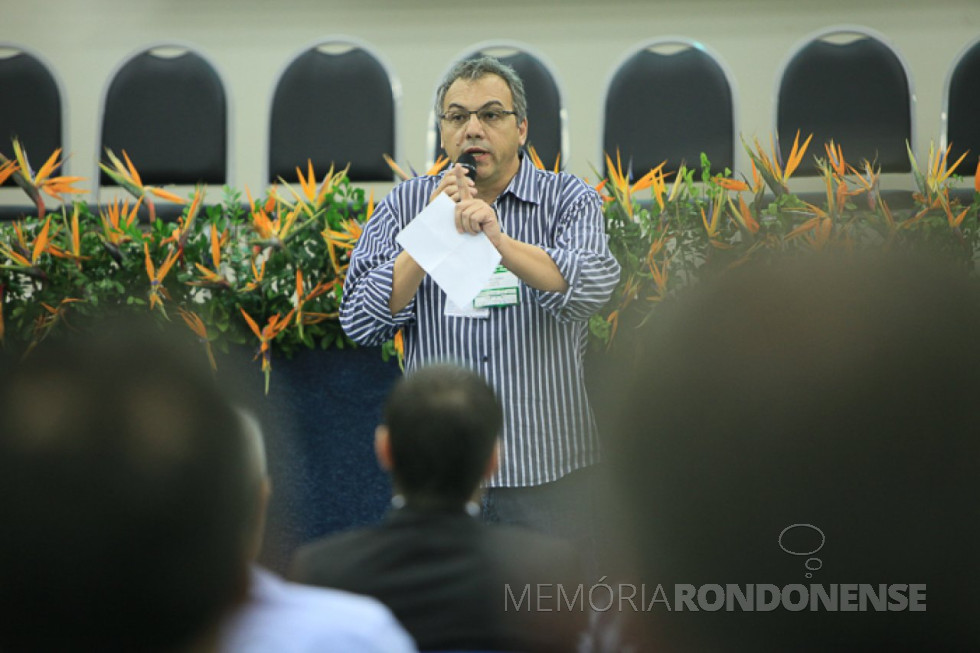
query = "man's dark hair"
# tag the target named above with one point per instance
(809, 423)
(125, 496)
(443, 423)
(474, 69)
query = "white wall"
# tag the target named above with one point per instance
(250, 40)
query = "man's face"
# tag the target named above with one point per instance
(493, 146)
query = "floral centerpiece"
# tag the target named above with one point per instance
(696, 225)
(267, 272)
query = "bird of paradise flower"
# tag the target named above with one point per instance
(157, 275)
(312, 200)
(182, 230)
(266, 335)
(771, 167)
(126, 176)
(398, 343)
(212, 277)
(35, 183)
(196, 324)
(621, 187)
(24, 258)
(258, 275)
(118, 226)
(272, 233)
(45, 322)
(302, 297)
(74, 249)
(817, 232)
(7, 168)
(441, 162)
(345, 240)
(938, 170)
(933, 186)
(538, 163)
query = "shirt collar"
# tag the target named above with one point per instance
(400, 505)
(523, 185)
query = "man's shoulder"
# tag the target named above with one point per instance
(296, 617)
(526, 538)
(519, 557)
(333, 550)
(536, 549)
(560, 184)
(286, 594)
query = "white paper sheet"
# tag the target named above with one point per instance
(460, 264)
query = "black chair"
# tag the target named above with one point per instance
(335, 104)
(33, 111)
(546, 116)
(846, 84)
(669, 99)
(166, 107)
(961, 112)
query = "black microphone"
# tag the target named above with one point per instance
(468, 161)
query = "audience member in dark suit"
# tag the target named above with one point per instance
(807, 427)
(452, 580)
(124, 505)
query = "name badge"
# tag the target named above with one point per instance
(454, 310)
(503, 289)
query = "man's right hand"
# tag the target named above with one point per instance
(451, 185)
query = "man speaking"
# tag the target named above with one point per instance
(529, 345)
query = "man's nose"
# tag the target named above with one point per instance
(474, 126)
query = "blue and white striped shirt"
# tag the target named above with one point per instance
(530, 353)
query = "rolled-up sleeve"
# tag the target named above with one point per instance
(365, 315)
(581, 252)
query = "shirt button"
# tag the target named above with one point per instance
(484, 358)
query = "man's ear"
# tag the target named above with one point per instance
(493, 463)
(522, 132)
(382, 447)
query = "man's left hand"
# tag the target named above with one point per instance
(474, 215)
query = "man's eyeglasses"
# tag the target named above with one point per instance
(489, 117)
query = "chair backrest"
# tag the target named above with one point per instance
(33, 112)
(961, 100)
(669, 99)
(847, 84)
(336, 102)
(546, 114)
(166, 107)
(33, 107)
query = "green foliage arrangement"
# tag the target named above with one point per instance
(268, 273)
(696, 225)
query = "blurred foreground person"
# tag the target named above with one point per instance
(124, 503)
(289, 618)
(453, 581)
(129, 501)
(798, 460)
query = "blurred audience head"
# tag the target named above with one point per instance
(439, 435)
(128, 501)
(257, 477)
(807, 423)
